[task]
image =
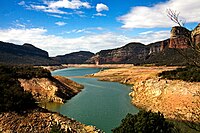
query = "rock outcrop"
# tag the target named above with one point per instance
(179, 38)
(196, 35)
(58, 89)
(41, 121)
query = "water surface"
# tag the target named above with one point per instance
(100, 103)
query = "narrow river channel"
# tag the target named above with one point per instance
(102, 104)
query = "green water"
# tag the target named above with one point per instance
(102, 104)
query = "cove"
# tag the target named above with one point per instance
(102, 104)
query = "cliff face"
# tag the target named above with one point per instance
(196, 35)
(179, 37)
(24, 54)
(131, 52)
(58, 89)
(74, 58)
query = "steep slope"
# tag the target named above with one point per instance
(74, 58)
(24, 54)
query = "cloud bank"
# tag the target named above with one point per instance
(156, 16)
(57, 45)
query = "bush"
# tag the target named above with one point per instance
(190, 73)
(145, 122)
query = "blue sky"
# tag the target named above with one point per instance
(64, 26)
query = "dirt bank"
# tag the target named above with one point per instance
(54, 89)
(41, 121)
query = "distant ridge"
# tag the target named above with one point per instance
(74, 58)
(26, 54)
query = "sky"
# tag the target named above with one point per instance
(65, 26)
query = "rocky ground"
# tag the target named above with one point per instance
(175, 99)
(41, 121)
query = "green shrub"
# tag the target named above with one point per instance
(145, 122)
(190, 73)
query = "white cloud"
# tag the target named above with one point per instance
(73, 4)
(56, 6)
(60, 23)
(101, 7)
(156, 16)
(21, 3)
(151, 37)
(56, 16)
(99, 14)
(57, 45)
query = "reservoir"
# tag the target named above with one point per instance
(101, 104)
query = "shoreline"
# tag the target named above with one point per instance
(53, 68)
(174, 98)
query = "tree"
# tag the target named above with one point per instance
(145, 122)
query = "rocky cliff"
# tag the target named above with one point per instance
(127, 54)
(196, 35)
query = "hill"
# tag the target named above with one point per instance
(74, 58)
(26, 54)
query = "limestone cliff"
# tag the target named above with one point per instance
(58, 89)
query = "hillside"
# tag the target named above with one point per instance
(125, 54)
(24, 54)
(74, 58)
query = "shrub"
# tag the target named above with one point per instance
(145, 122)
(190, 73)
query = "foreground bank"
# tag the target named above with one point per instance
(22, 87)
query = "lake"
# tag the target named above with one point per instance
(102, 104)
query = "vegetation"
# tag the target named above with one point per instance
(13, 97)
(145, 122)
(189, 73)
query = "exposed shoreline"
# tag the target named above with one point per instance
(52, 68)
(175, 99)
